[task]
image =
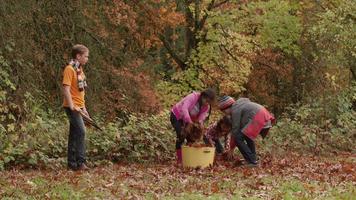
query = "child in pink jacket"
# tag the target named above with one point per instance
(193, 108)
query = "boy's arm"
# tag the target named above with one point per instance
(229, 149)
(68, 75)
(85, 111)
(236, 120)
(68, 97)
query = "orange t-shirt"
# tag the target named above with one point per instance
(70, 79)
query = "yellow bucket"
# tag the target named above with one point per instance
(198, 156)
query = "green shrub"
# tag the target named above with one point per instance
(327, 124)
(147, 138)
(44, 137)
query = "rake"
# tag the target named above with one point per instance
(89, 121)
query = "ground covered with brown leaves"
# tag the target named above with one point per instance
(278, 177)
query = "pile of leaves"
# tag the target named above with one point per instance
(193, 133)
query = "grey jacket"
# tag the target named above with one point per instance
(243, 111)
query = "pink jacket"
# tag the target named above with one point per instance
(254, 128)
(182, 109)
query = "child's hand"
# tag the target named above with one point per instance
(188, 127)
(201, 126)
(86, 112)
(211, 142)
(228, 155)
(74, 108)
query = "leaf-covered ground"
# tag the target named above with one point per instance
(288, 177)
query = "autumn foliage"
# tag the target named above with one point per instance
(297, 58)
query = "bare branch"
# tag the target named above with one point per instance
(203, 20)
(210, 7)
(353, 72)
(175, 56)
(220, 4)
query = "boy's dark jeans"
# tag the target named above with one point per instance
(246, 147)
(76, 142)
(218, 146)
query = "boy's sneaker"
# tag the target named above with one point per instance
(72, 167)
(83, 167)
(252, 165)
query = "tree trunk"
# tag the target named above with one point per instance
(353, 73)
(189, 33)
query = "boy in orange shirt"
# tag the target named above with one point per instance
(74, 85)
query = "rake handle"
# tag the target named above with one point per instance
(89, 120)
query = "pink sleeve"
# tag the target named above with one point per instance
(204, 114)
(188, 101)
